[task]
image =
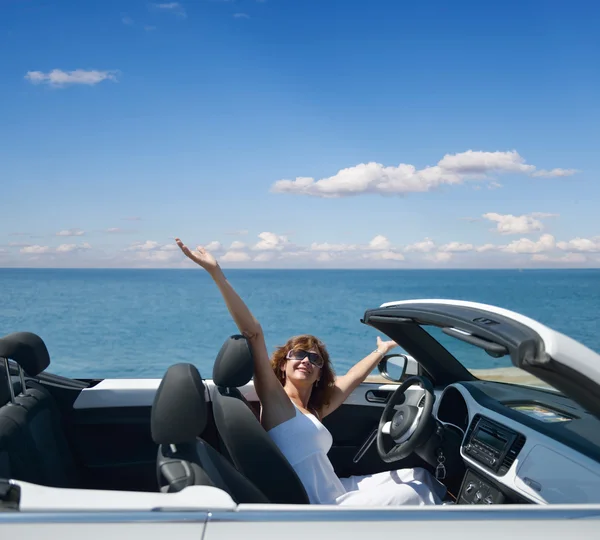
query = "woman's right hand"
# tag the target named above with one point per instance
(200, 256)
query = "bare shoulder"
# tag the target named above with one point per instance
(272, 416)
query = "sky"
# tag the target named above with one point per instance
(300, 133)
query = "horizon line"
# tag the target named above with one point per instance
(515, 268)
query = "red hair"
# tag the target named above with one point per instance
(322, 389)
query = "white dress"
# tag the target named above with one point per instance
(305, 442)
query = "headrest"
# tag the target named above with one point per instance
(26, 349)
(179, 410)
(234, 365)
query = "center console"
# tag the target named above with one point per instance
(492, 445)
(477, 490)
(494, 448)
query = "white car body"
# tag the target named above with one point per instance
(559, 485)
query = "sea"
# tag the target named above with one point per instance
(131, 323)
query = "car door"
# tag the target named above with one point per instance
(108, 430)
(107, 424)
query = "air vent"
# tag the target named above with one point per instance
(421, 401)
(472, 425)
(512, 454)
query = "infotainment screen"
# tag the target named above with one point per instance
(541, 413)
(491, 440)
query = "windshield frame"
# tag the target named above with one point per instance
(508, 373)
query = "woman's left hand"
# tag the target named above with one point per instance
(385, 346)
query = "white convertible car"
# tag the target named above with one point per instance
(185, 457)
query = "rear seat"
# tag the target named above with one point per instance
(33, 446)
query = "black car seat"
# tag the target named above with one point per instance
(247, 443)
(179, 416)
(33, 444)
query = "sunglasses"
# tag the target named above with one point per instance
(314, 358)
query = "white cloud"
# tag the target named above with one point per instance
(456, 247)
(509, 224)
(235, 256)
(271, 242)
(379, 252)
(387, 255)
(554, 173)
(324, 257)
(148, 245)
(59, 78)
(291, 255)
(158, 255)
(265, 256)
(213, 246)
(404, 178)
(441, 256)
(568, 258)
(241, 16)
(425, 246)
(127, 20)
(581, 245)
(68, 248)
(486, 247)
(481, 163)
(574, 258)
(380, 242)
(71, 232)
(525, 245)
(326, 246)
(35, 249)
(153, 251)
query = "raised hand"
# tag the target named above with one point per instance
(200, 256)
(385, 346)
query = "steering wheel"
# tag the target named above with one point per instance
(409, 426)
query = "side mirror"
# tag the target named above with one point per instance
(393, 366)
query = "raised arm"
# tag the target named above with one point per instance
(345, 384)
(276, 404)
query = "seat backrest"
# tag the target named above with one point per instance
(178, 418)
(249, 446)
(33, 445)
(44, 424)
(18, 457)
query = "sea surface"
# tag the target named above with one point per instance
(135, 323)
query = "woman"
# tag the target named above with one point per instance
(297, 389)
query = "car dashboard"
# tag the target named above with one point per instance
(522, 444)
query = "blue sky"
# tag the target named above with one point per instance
(308, 133)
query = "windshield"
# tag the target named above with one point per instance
(482, 365)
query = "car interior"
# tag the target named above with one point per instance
(471, 434)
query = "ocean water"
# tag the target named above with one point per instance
(135, 323)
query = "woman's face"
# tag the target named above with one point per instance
(303, 365)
